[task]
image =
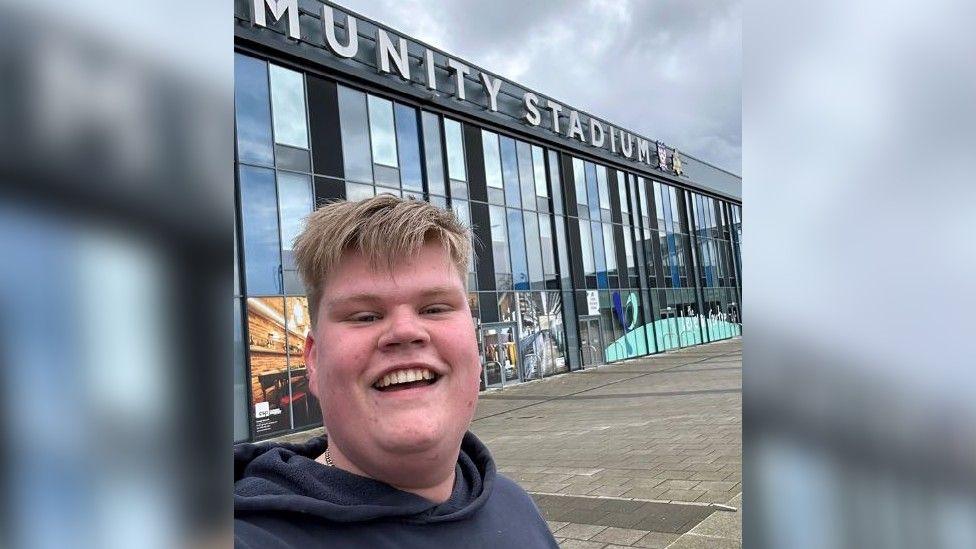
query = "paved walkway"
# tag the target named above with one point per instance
(642, 453)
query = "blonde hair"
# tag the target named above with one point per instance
(384, 228)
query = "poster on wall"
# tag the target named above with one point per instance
(267, 348)
(592, 302)
(542, 344)
(305, 407)
(279, 379)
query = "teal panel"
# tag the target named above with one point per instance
(633, 344)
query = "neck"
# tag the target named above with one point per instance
(436, 489)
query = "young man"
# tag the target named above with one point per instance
(392, 357)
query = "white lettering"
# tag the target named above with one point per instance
(328, 28)
(555, 108)
(643, 152)
(385, 52)
(575, 128)
(459, 71)
(429, 62)
(491, 88)
(596, 137)
(613, 139)
(626, 145)
(532, 115)
(278, 9)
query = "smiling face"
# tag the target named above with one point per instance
(394, 361)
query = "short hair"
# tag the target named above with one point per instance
(383, 228)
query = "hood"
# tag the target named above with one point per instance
(286, 478)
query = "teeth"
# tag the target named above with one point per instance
(404, 376)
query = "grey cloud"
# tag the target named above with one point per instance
(670, 70)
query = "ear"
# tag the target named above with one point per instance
(311, 363)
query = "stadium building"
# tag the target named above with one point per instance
(598, 244)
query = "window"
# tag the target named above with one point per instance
(564, 278)
(493, 167)
(649, 256)
(601, 178)
(663, 207)
(645, 204)
(533, 249)
(356, 155)
(629, 249)
(251, 109)
(259, 219)
(241, 389)
(510, 171)
(673, 202)
(634, 214)
(432, 154)
(539, 167)
(548, 257)
(611, 248)
(586, 248)
(622, 192)
(356, 191)
(455, 150)
(592, 192)
(407, 140)
(381, 131)
(579, 180)
(516, 242)
(499, 248)
(295, 202)
(460, 208)
(712, 222)
(526, 175)
(288, 107)
(557, 192)
(599, 255)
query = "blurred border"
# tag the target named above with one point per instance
(860, 392)
(116, 210)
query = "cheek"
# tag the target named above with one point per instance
(344, 355)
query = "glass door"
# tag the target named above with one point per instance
(667, 333)
(501, 360)
(591, 341)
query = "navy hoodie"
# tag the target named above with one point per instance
(284, 498)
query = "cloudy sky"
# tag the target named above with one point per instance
(667, 69)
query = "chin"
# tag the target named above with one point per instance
(414, 439)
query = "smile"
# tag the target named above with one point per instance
(406, 379)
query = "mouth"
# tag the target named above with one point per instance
(407, 378)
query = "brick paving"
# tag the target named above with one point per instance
(642, 453)
(634, 454)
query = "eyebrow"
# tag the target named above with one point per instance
(366, 297)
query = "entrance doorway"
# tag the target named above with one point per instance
(667, 332)
(502, 363)
(591, 341)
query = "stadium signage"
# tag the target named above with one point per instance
(392, 57)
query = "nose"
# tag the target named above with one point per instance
(405, 328)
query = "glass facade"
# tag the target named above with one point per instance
(579, 263)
